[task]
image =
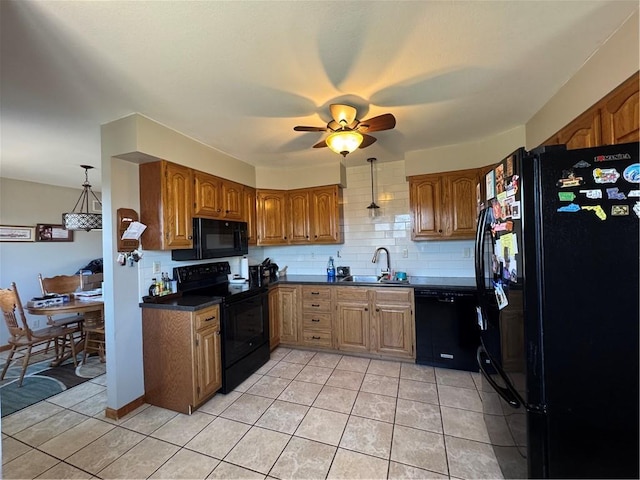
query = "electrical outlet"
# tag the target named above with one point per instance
(156, 267)
(467, 252)
(313, 255)
(405, 253)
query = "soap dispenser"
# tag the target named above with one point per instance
(331, 270)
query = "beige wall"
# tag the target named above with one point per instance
(611, 65)
(288, 179)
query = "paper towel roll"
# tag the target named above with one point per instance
(244, 267)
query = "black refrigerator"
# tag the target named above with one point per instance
(561, 228)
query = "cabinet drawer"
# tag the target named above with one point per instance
(316, 320)
(318, 338)
(316, 305)
(352, 294)
(315, 293)
(393, 295)
(208, 318)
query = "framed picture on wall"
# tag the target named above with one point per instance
(16, 233)
(46, 232)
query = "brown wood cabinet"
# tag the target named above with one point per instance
(271, 207)
(166, 202)
(317, 314)
(215, 197)
(301, 216)
(443, 205)
(249, 213)
(377, 321)
(274, 319)
(286, 312)
(612, 120)
(181, 354)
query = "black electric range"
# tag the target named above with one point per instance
(244, 325)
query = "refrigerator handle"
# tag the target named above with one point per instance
(505, 393)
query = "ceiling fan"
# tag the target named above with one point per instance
(347, 133)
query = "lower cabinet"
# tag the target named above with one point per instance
(317, 313)
(375, 320)
(181, 354)
(285, 310)
(274, 320)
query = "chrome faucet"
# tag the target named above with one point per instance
(384, 273)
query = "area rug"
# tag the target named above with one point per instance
(42, 381)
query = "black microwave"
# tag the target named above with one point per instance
(215, 239)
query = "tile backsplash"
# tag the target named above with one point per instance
(391, 229)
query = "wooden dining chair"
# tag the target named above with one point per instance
(24, 339)
(61, 284)
(94, 335)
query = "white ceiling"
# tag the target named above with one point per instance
(238, 76)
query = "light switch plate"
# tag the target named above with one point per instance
(156, 267)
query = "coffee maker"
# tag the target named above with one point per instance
(262, 274)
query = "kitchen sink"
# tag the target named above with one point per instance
(371, 279)
(361, 278)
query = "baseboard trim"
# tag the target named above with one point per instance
(114, 414)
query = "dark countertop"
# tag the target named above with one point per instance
(444, 283)
(189, 303)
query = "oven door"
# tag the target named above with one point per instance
(245, 326)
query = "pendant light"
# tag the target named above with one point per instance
(373, 208)
(82, 219)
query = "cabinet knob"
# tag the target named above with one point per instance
(439, 231)
(190, 237)
(377, 309)
(366, 309)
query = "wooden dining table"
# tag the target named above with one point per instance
(91, 308)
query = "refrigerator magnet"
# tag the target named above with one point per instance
(597, 209)
(605, 175)
(572, 207)
(566, 196)
(582, 164)
(636, 209)
(499, 179)
(489, 181)
(592, 193)
(569, 179)
(633, 193)
(501, 298)
(509, 163)
(619, 210)
(632, 173)
(615, 194)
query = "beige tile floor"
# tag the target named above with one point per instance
(303, 415)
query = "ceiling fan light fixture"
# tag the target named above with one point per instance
(344, 141)
(83, 219)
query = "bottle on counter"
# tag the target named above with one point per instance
(153, 289)
(331, 269)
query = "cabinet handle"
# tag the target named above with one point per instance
(315, 293)
(315, 338)
(315, 304)
(209, 319)
(315, 319)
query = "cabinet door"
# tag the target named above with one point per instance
(208, 196)
(620, 114)
(583, 132)
(274, 319)
(232, 200)
(298, 213)
(249, 214)
(425, 192)
(353, 333)
(325, 215)
(177, 206)
(459, 203)
(288, 314)
(208, 363)
(271, 217)
(393, 330)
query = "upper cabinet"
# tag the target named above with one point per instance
(443, 205)
(302, 216)
(166, 201)
(612, 120)
(249, 196)
(215, 197)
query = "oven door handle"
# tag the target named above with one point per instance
(508, 394)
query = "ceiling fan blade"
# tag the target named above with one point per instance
(376, 124)
(343, 113)
(367, 140)
(300, 128)
(320, 144)
(334, 126)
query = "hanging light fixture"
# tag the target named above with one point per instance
(82, 219)
(344, 141)
(373, 208)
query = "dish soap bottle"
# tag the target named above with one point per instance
(331, 270)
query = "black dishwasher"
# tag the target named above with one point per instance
(447, 334)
